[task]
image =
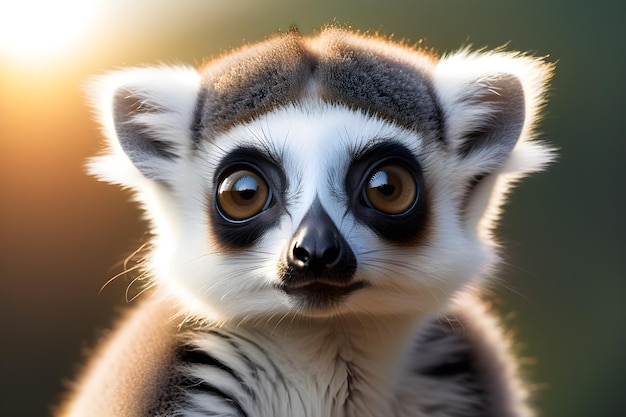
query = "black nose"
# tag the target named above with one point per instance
(316, 247)
(318, 250)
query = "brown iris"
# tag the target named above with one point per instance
(242, 194)
(391, 188)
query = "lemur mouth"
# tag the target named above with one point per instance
(322, 289)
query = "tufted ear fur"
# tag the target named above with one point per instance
(146, 114)
(491, 103)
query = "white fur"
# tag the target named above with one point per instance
(366, 337)
(316, 138)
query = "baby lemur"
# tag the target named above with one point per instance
(322, 212)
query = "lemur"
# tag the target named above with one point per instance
(322, 212)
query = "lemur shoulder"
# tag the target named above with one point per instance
(322, 212)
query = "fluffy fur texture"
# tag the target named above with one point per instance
(319, 303)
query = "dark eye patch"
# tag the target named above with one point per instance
(246, 197)
(387, 192)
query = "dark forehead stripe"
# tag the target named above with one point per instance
(378, 78)
(251, 82)
(373, 76)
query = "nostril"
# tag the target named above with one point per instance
(331, 254)
(301, 254)
(316, 254)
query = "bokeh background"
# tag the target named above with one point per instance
(63, 235)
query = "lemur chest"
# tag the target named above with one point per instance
(319, 376)
(338, 392)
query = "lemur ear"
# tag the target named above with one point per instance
(147, 115)
(490, 103)
(501, 97)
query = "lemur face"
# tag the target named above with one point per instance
(333, 175)
(319, 209)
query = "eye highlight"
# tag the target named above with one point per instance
(242, 193)
(391, 188)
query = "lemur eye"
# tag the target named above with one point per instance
(390, 188)
(242, 193)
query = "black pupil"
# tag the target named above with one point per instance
(246, 187)
(386, 190)
(380, 182)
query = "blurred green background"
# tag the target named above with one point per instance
(62, 234)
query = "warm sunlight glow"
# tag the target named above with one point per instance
(37, 29)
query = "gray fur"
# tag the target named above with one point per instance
(146, 355)
(374, 77)
(454, 355)
(378, 78)
(500, 132)
(251, 82)
(139, 144)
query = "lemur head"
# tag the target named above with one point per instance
(339, 174)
